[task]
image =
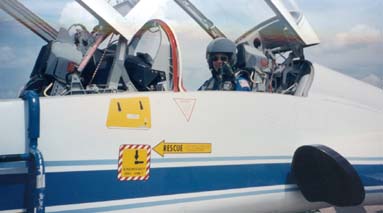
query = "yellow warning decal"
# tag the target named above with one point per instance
(181, 148)
(134, 162)
(129, 113)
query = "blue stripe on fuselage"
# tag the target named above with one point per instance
(104, 185)
(92, 186)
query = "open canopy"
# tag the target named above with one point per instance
(287, 30)
(275, 25)
(278, 23)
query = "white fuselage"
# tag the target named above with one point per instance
(253, 138)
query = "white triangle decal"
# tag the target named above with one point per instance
(186, 105)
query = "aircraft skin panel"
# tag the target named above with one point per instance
(331, 84)
(12, 121)
(93, 188)
(253, 137)
(332, 120)
(237, 199)
(197, 204)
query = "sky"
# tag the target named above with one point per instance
(351, 34)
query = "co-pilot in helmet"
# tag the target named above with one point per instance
(221, 45)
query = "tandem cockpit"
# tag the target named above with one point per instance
(116, 56)
(79, 64)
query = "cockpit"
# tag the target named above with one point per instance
(109, 58)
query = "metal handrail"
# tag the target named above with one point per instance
(34, 158)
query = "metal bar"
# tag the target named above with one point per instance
(34, 18)
(33, 117)
(30, 20)
(14, 158)
(38, 184)
(200, 18)
(36, 169)
(118, 65)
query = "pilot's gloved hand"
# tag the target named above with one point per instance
(227, 72)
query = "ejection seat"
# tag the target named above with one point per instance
(140, 72)
(53, 62)
(292, 77)
(153, 48)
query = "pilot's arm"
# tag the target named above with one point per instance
(210, 84)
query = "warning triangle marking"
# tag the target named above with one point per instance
(186, 105)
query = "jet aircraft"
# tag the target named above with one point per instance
(105, 123)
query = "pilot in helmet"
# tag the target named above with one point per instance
(221, 57)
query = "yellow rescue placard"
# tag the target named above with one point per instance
(181, 148)
(129, 113)
(134, 162)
